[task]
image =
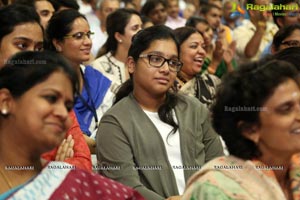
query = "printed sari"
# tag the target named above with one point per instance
(60, 180)
(229, 178)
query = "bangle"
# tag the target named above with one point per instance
(261, 23)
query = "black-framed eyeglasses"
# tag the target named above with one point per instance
(291, 43)
(158, 61)
(80, 35)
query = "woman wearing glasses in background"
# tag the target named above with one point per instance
(68, 33)
(286, 37)
(157, 138)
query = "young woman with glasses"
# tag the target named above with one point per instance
(68, 33)
(155, 137)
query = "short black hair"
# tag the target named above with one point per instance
(65, 3)
(207, 7)
(194, 20)
(150, 5)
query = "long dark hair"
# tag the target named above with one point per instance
(116, 23)
(140, 42)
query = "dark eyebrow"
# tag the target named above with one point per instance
(28, 40)
(45, 10)
(158, 53)
(23, 38)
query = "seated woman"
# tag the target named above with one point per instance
(35, 100)
(286, 37)
(121, 25)
(219, 59)
(192, 54)
(257, 112)
(68, 33)
(157, 138)
(20, 31)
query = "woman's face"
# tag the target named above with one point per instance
(158, 15)
(192, 54)
(149, 80)
(134, 25)
(279, 130)
(45, 10)
(41, 115)
(24, 37)
(206, 31)
(76, 50)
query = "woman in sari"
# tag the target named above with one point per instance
(36, 95)
(20, 30)
(192, 54)
(257, 113)
(69, 33)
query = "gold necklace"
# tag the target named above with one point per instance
(6, 179)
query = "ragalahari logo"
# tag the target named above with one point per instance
(236, 10)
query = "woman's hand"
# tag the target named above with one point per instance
(65, 150)
(218, 51)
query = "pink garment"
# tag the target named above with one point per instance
(82, 154)
(83, 185)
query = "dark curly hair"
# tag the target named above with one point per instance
(282, 34)
(241, 97)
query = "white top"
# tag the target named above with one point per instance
(172, 145)
(111, 68)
